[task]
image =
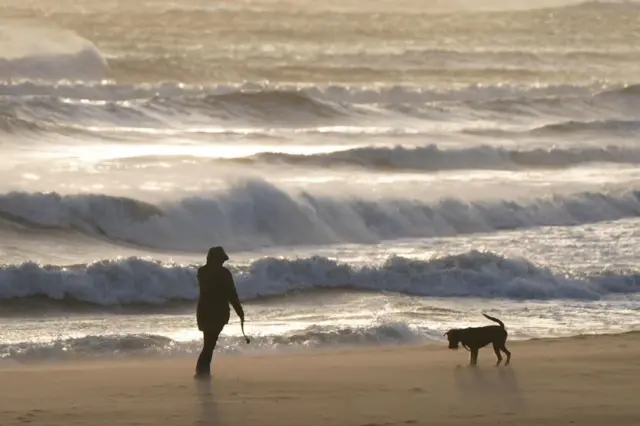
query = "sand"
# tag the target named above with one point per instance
(581, 380)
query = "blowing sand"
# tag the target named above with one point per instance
(580, 380)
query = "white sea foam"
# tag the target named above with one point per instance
(127, 345)
(474, 274)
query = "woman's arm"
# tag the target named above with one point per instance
(233, 295)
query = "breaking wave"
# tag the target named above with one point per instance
(255, 214)
(432, 158)
(135, 281)
(31, 51)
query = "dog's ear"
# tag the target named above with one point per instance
(447, 333)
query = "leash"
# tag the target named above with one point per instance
(245, 336)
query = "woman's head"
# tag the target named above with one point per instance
(217, 255)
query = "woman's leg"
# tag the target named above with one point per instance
(203, 367)
(202, 364)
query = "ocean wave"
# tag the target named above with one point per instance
(21, 124)
(12, 124)
(268, 105)
(225, 107)
(179, 112)
(31, 51)
(600, 5)
(86, 347)
(131, 345)
(608, 127)
(598, 104)
(432, 158)
(199, 43)
(364, 94)
(135, 281)
(84, 213)
(255, 214)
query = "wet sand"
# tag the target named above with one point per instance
(580, 380)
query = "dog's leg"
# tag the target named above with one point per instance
(473, 356)
(506, 351)
(496, 349)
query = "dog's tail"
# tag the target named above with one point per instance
(495, 320)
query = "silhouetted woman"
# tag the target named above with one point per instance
(217, 290)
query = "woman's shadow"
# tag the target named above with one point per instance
(496, 385)
(208, 409)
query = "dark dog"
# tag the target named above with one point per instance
(474, 338)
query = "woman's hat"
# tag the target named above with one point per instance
(217, 254)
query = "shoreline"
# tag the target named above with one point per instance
(286, 351)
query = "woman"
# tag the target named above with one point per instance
(217, 290)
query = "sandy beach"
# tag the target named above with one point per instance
(377, 172)
(580, 380)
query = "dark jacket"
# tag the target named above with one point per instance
(217, 290)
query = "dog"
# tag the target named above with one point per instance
(474, 338)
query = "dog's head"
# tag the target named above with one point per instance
(454, 338)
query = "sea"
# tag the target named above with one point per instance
(379, 171)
